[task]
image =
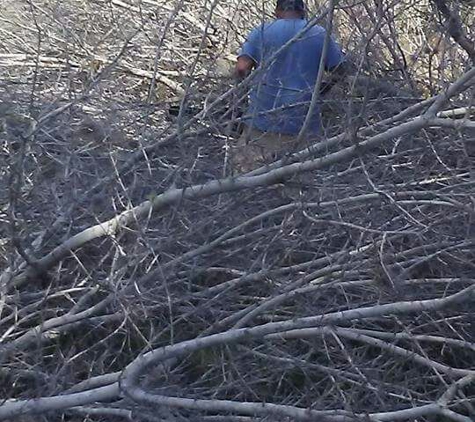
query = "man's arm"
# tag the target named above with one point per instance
(336, 74)
(244, 66)
(249, 55)
(336, 64)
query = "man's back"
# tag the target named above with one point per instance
(287, 82)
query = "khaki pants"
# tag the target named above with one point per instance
(256, 148)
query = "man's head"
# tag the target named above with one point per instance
(290, 9)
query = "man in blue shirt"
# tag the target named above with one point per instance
(282, 89)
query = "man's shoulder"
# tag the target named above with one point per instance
(262, 26)
(318, 29)
(278, 25)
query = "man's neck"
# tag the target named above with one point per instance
(289, 15)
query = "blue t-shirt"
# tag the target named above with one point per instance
(288, 81)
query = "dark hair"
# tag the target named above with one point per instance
(291, 5)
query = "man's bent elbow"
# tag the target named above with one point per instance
(342, 70)
(243, 67)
